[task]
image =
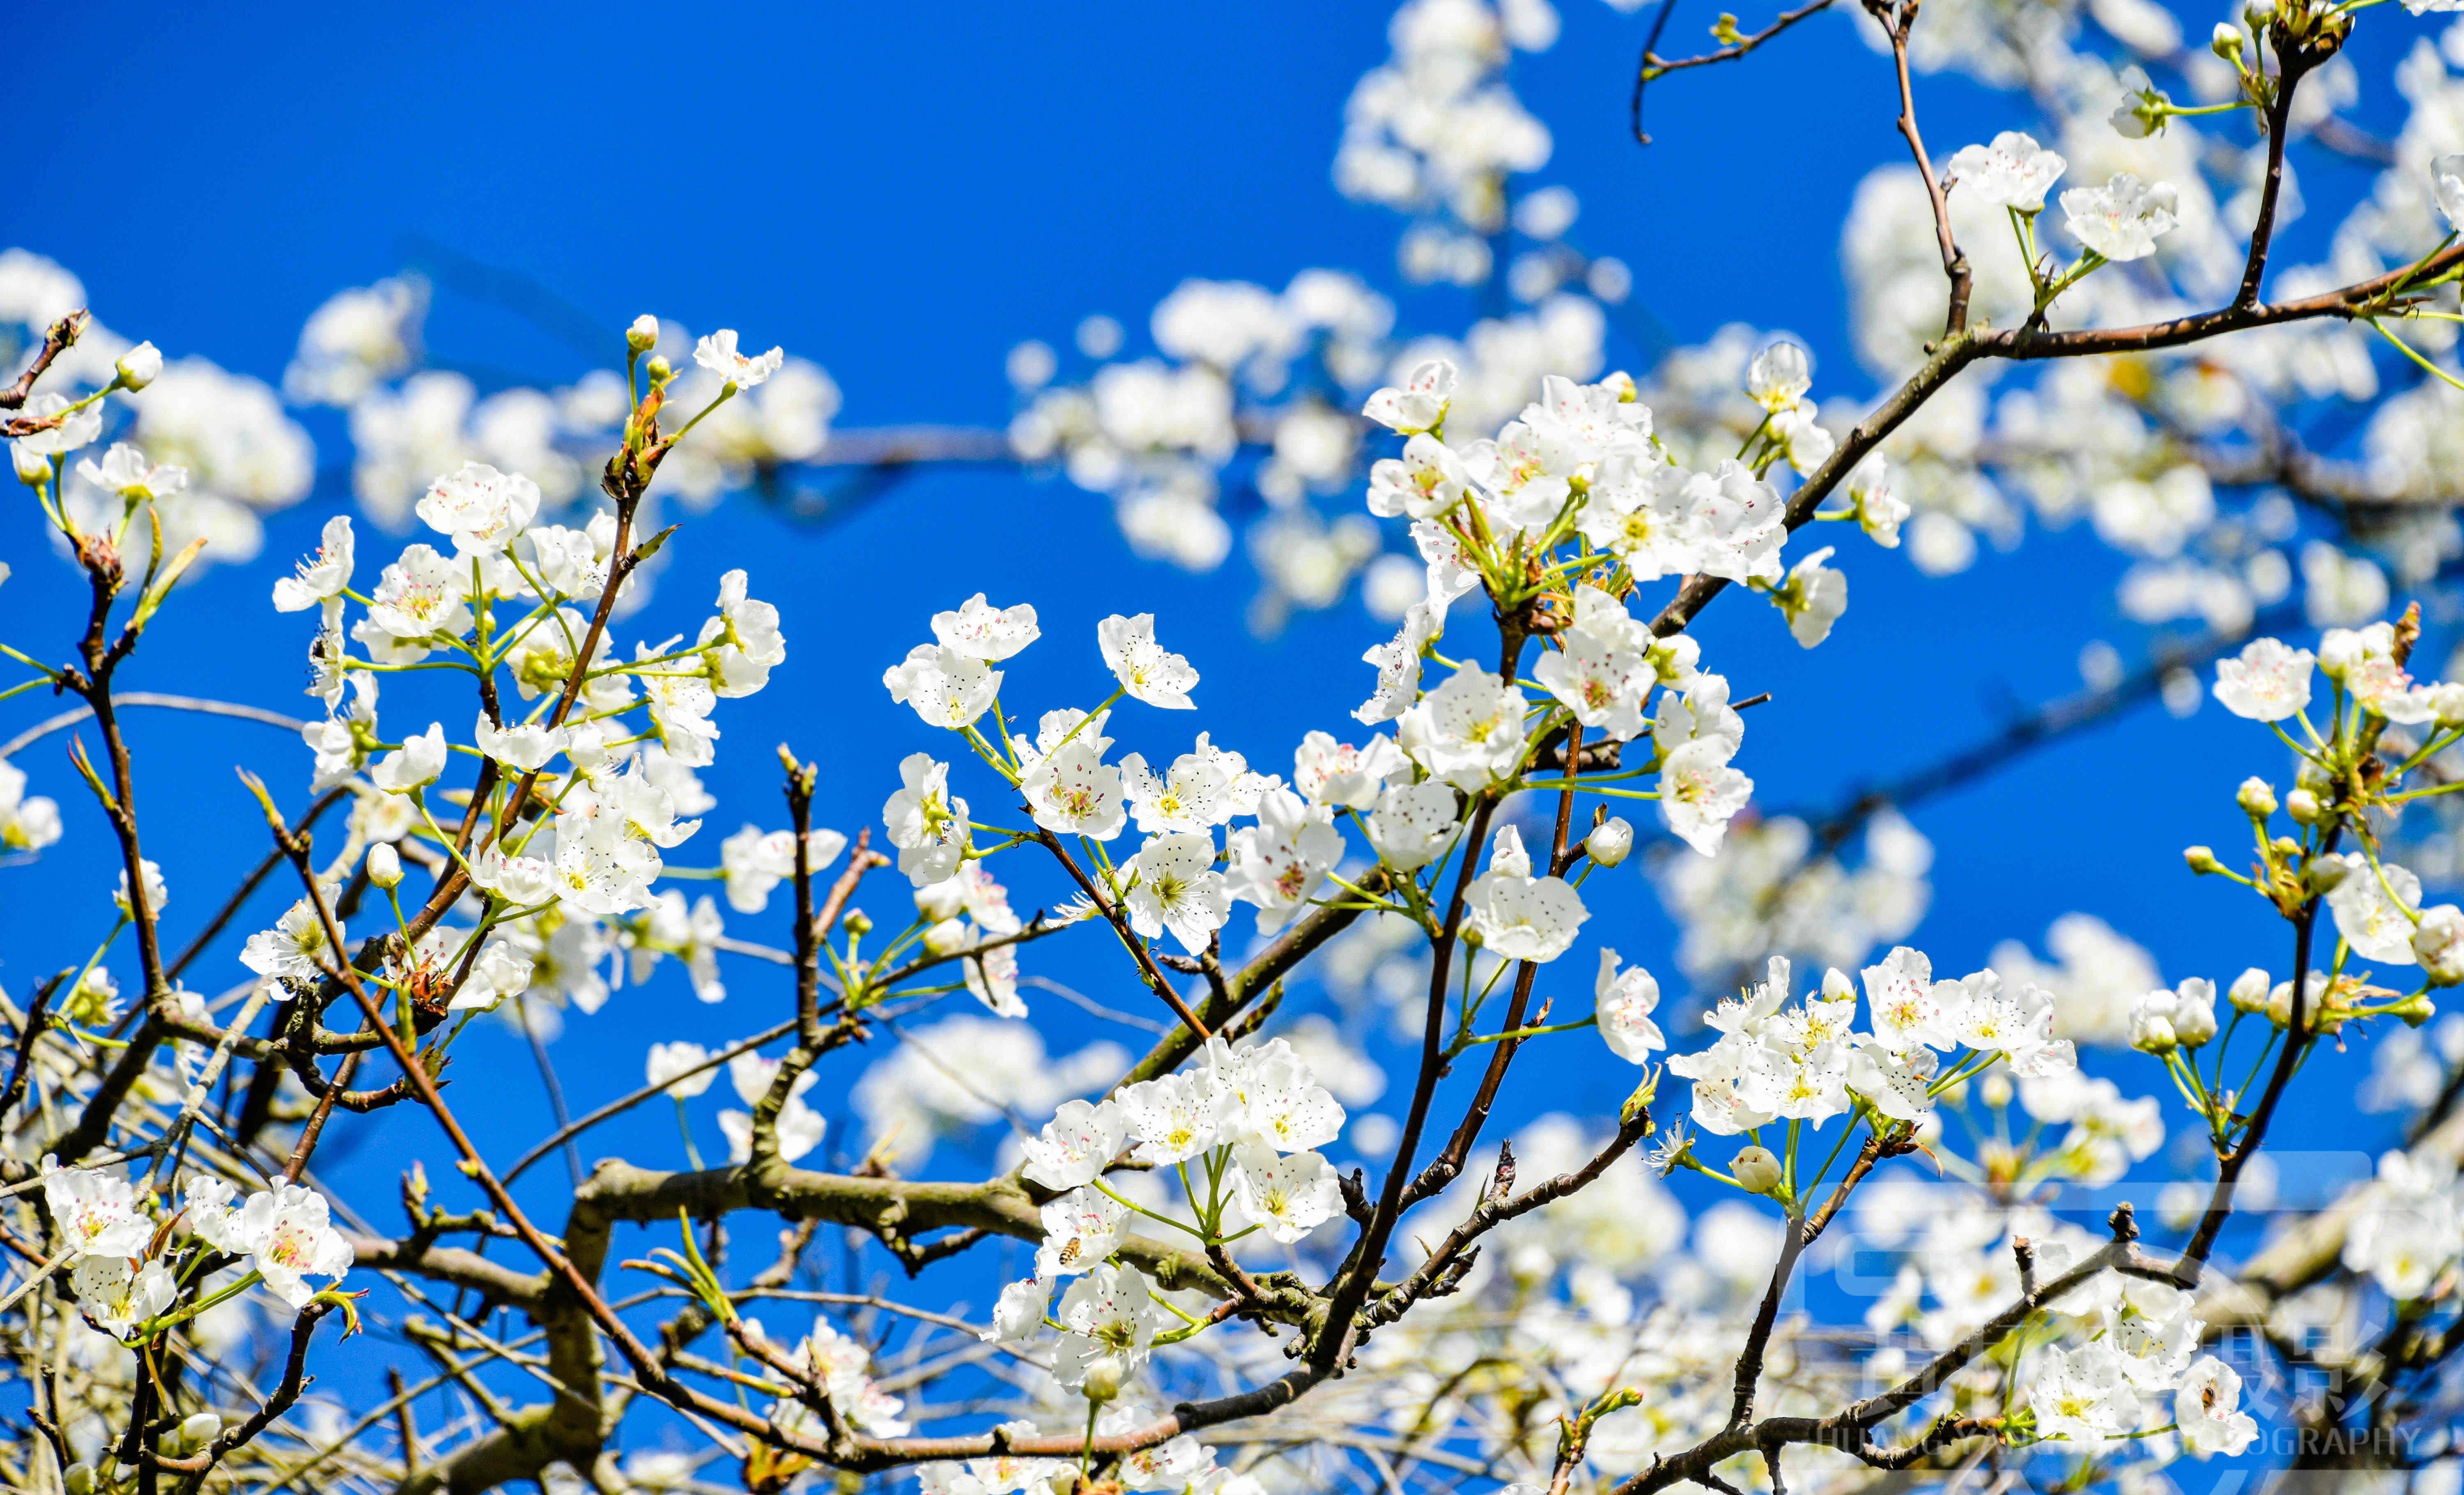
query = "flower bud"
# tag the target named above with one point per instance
(2257, 798)
(856, 922)
(1755, 1168)
(384, 865)
(139, 366)
(660, 370)
(2327, 873)
(2447, 703)
(941, 900)
(34, 469)
(2279, 1005)
(2415, 1009)
(2202, 860)
(643, 336)
(1609, 841)
(2340, 650)
(200, 1428)
(1836, 986)
(1622, 384)
(2438, 942)
(2226, 42)
(2151, 1023)
(78, 1477)
(1103, 1377)
(2249, 991)
(2194, 1011)
(2303, 806)
(947, 937)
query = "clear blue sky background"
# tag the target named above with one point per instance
(901, 194)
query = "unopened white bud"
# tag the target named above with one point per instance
(1755, 1168)
(643, 336)
(1104, 1379)
(2151, 1023)
(2226, 41)
(200, 1428)
(139, 366)
(2194, 1012)
(2202, 860)
(2256, 797)
(2249, 991)
(2327, 873)
(947, 937)
(33, 466)
(659, 369)
(941, 900)
(2303, 806)
(1836, 987)
(78, 1477)
(384, 865)
(2438, 942)
(2447, 703)
(1609, 841)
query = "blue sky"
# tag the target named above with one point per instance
(901, 194)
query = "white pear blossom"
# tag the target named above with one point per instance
(1081, 1228)
(523, 746)
(1624, 1002)
(322, 575)
(1338, 775)
(296, 948)
(2081, 1396)
(1288, 1195)
(2207, 1411)
(418, 762)
(946, 687)
(2373, 912)
(1519, 916)
(927, 824)
(421, 594)
(1173, 1118)
(671, 1065)
(2268, 682)
(288, 1236)
(2447, 187)
(754, 860)
(1177, 889)
(480, 508)
(118, 1294)
(1814, 597)
(1276, 864)
(1413, 824)
(1779, 376)
(753, 645)
(2012, 172)
(1420, 403)
(1146, 669)
(1399, 665)
(717, 352)
(1108, 1313)
(1076, 1145)
(1700, 793)
(2123, 219)
(1467, 731)
(28, 822)
(94, 1211)
(982, 631)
